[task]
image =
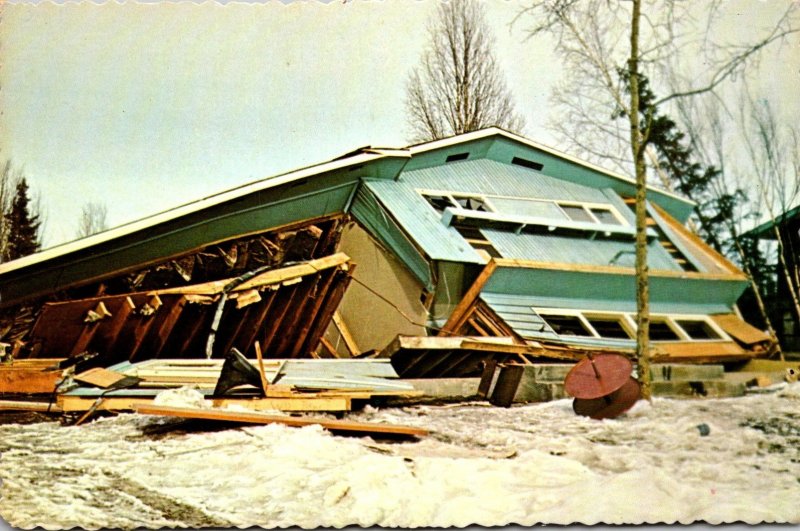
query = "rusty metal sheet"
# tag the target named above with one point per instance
(597, 376)
(610, 406)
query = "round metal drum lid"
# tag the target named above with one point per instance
(598, 376)
(608, 407)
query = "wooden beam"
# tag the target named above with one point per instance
(343, 426)
(273, 276)
(344, 331)
(460, 313)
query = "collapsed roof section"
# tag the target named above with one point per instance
(309, 193)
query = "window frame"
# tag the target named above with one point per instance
(628, 322)
(487, 200)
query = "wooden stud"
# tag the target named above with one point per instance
(344, 331)
(264, 385)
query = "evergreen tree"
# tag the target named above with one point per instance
(23, 226)
(715, 210)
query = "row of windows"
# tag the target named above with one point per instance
(562, 210)
(623, 326)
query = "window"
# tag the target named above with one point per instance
(697, 329)
(577, 213)
(527, 207)
(605, 216)
(457, 156)
(567, 325)
(660, 330)
(439, 202)
(478, 241)
(472, 203)
(610, 326)
(619, 325)
(527, 163)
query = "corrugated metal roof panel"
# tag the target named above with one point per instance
(492, 177)
(575, 250)
(422, 223)
(366, 209)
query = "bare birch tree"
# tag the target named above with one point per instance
(92, 220)
(458, 86)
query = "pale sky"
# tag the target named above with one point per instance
(148, 106)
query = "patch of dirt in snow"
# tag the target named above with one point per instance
(715, 460)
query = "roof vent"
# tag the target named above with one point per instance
(457, 156)
(527, 163)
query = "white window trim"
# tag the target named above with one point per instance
(487, 200)
(629, 321)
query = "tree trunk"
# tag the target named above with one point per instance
(637, 149)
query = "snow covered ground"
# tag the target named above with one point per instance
(480, 465)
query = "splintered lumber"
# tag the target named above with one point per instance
(342, 426)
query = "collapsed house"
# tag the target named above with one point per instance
(440, 256)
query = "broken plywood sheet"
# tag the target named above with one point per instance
(739, 330)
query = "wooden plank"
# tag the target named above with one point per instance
(27, 380)
(129, 403)
(344, 331)
(343, 426)
(267, 278)
(23, 405)
(459, 315)
(100, 377)
(705, 349)
(261, 368)
(739, 329)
